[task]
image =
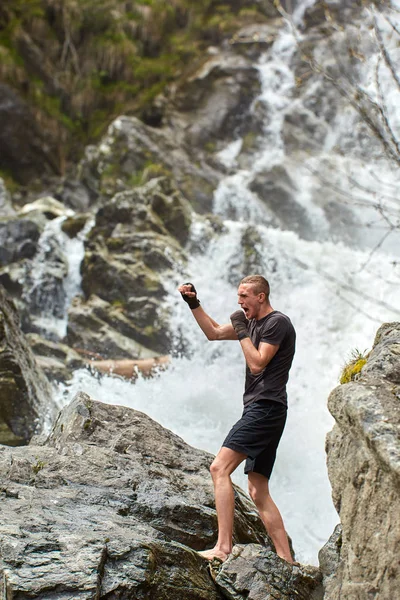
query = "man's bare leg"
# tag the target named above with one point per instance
(270, 515)
(224, 464)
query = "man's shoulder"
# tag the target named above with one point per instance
(278, 319)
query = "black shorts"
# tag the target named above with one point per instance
(257, 435)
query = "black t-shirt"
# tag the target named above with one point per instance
(276, 328)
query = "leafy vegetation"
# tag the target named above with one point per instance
(352, 369)
(80, 63)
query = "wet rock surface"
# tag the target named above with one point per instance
(18, 239)
(111, 505)
(257, 573)
(6, 208)
(57, 360)
(136, 240)
(25, 395)
(364, 469)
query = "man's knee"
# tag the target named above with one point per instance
(218, 469)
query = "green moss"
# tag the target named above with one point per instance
(153, 170)
(352, 369)
(38, 466)
(249, 141)
(114, 243)
(119, 59)
(210, 147)
(118, 303)
(10, 183)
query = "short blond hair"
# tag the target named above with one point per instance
(259, 283)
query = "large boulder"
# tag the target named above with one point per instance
(131, 153)
(136, 241)
(364, 469)
(112, 505)
(213, 103)
(25, 395)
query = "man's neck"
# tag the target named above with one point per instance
(266, 310)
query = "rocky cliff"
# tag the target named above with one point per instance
(26, 404)
(363, 452)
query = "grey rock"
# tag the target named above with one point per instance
(57, 360)
(323, 12)
(105, 330)
(124, 156)
(303, 131)
(112, 505)
(47, 205)
(364, 469)
(18, 239)
(12, 278)
(384, 360)
(75, 195)
(135, 241)
(256, 573)
(277, 190)
(329, 558)
(25, 395)
(6, 208)
(253, 39)
(214, 101)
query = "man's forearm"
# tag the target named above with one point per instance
(206, 323)
(211, 328)
(252, 355)
(256, 359)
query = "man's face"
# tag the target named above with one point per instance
(249, 301)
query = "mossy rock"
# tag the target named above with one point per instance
(73, 225)
(352, 370)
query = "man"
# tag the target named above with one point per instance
(267, 338)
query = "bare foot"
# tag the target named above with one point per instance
(213, 553)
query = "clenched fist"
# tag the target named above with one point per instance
(189, 295)
(239, 322)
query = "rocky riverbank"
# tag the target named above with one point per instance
(110, 502)
(114, 505)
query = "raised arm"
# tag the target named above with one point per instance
(212, 330)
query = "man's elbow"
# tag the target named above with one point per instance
(211, 336)
(256, 369)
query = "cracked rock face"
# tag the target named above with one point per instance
(25, 395)
(256, 573)
(112, 505)
(364, 469)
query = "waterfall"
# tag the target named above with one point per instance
(54, 278)
(336, 297)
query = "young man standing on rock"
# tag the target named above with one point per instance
(267, 338)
